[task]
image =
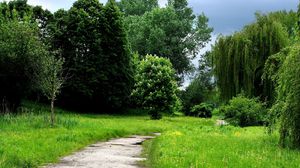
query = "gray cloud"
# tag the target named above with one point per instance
(227, 16)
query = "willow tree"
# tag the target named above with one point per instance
(239, 59)
(288, 95)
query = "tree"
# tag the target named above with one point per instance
(155, 86)
(52, 79)
(173, 32)
(239, 59)
(137, 7)
(288, 95)
(117, 88)
(21, 56)
(94, 45)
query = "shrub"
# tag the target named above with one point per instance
(155, 88)
(242, 111)
(203, 110)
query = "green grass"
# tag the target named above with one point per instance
(27, 140)
(201, 144)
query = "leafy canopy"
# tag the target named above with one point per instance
(155, 88)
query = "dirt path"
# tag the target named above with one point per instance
(116, 153)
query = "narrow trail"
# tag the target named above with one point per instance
(116, 153)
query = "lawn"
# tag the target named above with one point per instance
(27, 140)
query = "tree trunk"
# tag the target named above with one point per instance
(52, 112)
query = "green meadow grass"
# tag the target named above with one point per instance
(202, 144)
(27, 140)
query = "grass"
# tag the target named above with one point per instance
(201, 144)
(27, 140)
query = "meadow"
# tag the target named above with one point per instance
(27, 140)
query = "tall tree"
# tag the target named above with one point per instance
(173, 32)
(117, 86)
(78, 34)
(97, 55)
(239, 59)
(288, 95)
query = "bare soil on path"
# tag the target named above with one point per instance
(116, 153)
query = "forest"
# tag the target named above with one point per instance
(100, 72)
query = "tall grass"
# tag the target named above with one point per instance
(28, 140)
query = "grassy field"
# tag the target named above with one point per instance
(28, 141)
(196, 144)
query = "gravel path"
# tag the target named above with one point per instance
(116, 153)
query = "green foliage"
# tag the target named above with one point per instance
(203, 110)
(288, 90)
(94, 45)
(239, 59)
(172, 32)
(155, 88)
(137, 7)
(52, 77)
(21, 57)
(242, 111)
(20, 10)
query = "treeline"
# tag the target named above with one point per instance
(89, 37)
(88, 57)
(261, 62)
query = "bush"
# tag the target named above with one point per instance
(242, 111)
(203, 110)
(155, 88)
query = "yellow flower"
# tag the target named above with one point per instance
(177, 133)
(237, 134)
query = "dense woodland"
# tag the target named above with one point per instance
(134, 54)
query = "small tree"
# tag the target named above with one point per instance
(155, 88)
(52, 79)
